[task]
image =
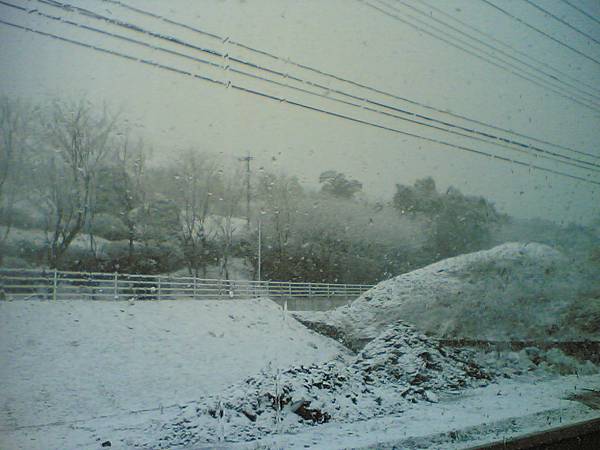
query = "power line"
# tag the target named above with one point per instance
(437, 141)
(342, 79)
(496, 49)
(589, 16)
(294, 103)
(114, 53)
(118, 36)
(564, 22)
(499, 141)
(474, 51)
(521, 21)
(130, 26)
(489, 36)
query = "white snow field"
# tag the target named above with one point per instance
(515, 291)
(391, 379)
(77, 374)
(75, 360)
(188, 374)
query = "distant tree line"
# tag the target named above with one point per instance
(77, 192)
(456, 223)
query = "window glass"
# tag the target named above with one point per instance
(318, 224)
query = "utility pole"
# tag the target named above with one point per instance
(247, 159)
(259, 247)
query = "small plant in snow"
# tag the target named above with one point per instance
(277, 400)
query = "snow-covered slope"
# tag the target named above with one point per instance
(207, 374)
(75, 360)
(399, 368)
(513, 291)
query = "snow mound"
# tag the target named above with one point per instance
(93, 358)
(513, 291)
(400, 367)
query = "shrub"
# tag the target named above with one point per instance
(109, 227)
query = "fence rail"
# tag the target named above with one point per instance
(58, 284)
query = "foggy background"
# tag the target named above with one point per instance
(350, 39)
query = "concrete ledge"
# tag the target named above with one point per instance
(312, 303)
(583, 435)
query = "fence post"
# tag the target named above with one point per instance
(54, 285)
(195, 288)
(309, 290)
(158, 298)
(290, 288)
(116, 286)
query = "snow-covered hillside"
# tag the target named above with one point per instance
(184, 373)
(513, 291)
(210, 374)
(73, 360)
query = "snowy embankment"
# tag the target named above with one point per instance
(76, 360)
(395, 375)
(399, 368)
(226, 374)
(500, 411)
(512, 292)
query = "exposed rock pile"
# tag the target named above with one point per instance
(400, 367)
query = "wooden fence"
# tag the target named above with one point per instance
(58, 284)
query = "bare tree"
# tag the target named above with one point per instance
(231, 194)
(80, 141)
(15, 131)
(129, 186)
(279, 196)
(197, 176)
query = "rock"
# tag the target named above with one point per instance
(431, 397)
(314, 415)
(250, 415)
(297, 404)
(106, 444)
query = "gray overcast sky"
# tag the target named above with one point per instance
(350, 39)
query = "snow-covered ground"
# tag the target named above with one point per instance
(244, 374)
(502, 410)
(79, 373)
(76, 360)
(393, 376)
(499, 411)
